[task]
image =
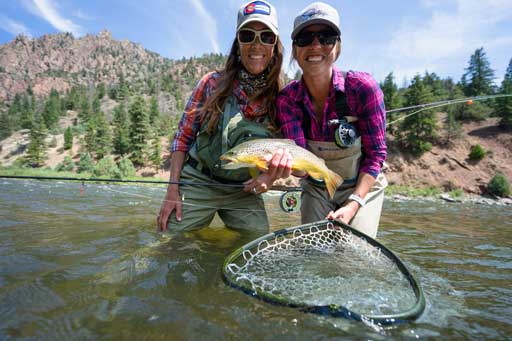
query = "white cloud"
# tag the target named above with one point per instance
(13, 27)
(452, 32)
(210, 24)
(48, 10)
(81, 15)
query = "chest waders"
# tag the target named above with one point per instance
(344, 161)
(233, 128)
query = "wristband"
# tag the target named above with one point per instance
(357, 199)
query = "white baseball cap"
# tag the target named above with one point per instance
(316, 13)
(259, 11)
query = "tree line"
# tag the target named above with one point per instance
(133, 129)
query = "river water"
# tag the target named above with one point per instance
(91, 266)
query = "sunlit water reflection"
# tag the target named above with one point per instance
(92, 267)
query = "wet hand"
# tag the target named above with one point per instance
(260, 184)
(172, 202)
(345, 213)
(279, 164)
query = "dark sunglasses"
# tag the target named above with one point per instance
(306, 38)
(248, 36)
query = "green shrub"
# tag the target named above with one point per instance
(499, 185)
(126, 168)
(85, 165)
(477, 153)
(66, 165)
(107, 167)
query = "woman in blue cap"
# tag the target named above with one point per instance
(226, 108)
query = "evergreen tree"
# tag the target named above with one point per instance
(437, 86)
(121, 139)
(90, 136)
(154, 113)
(420, 128)
(27, 114)
(85, 164)
(478, 79)
(84, 114)
(36, 151)
(100, 91)
(52, 110)
(504, 104)
(139, 130)
(156, 151)
(96, 106)
(103, 136)
(68, 139)
(391, 100)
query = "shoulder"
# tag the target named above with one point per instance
(361, 81)
(290, 90)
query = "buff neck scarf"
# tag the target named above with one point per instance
(252, 84)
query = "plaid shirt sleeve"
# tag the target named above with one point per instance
(368, 102)
(189, 122)
(289, 115)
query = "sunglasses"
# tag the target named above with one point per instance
(306, 38)
(248, 36)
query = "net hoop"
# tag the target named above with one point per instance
(333, 310)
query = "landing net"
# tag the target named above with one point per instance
(328, 268)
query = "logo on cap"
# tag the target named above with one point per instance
(257, 7)
(313, 13)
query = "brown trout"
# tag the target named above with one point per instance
(251, 154)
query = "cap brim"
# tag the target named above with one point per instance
(313, 22)
(263, 21)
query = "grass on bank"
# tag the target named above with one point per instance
(47, 172)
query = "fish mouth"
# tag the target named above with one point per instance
(228, 162)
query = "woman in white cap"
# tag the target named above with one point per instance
(338, 116)
(226, 108)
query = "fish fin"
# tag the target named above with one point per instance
(253, 172)
(332, 182)
(261, 164)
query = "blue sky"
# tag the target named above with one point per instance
(406, 37)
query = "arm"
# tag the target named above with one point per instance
(172, 200)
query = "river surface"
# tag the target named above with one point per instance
(90, 265)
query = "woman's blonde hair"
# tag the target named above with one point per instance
(214, 105)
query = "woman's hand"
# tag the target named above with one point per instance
(279, 167)
(344, 213)
(172, 202)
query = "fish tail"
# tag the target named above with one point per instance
(332, 182)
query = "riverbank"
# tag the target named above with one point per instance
(393, 192)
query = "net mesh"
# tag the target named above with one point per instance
(323, 265)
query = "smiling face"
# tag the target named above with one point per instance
(315, 57)
(256, 56)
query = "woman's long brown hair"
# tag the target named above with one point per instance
(214, 105)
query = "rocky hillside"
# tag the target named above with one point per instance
(60, 61)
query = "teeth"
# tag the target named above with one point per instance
(314, 58)
(256, 56)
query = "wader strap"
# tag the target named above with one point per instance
(229, 109)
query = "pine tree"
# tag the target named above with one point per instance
(154, 113)
(68, 138)
(84, 114)
(419, 129)
(52, 110)
(121, 140)
(27, 114)
(156, 151)
(90, 136)
(103, 136)
(36, 151)
(96, 106)
(479, 77)
(504, 104)
(391, 100)
(139, 130)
